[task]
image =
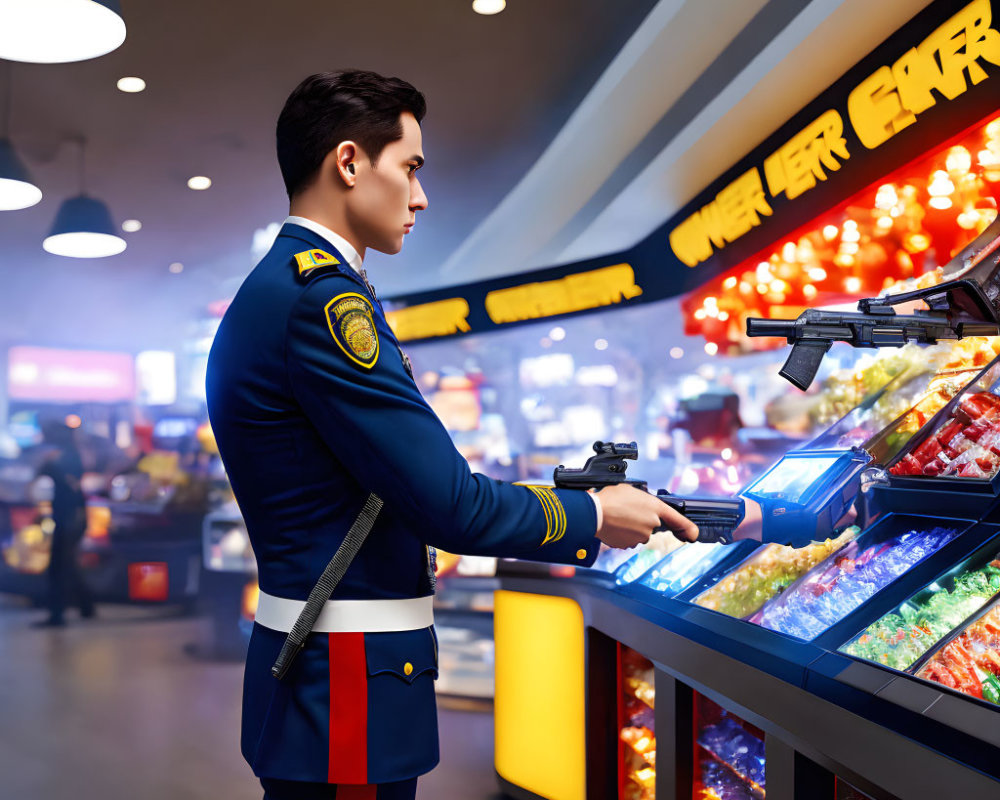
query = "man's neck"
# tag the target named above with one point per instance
(335, 222)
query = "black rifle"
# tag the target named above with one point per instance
(716, 517)
(966, 303)
(814, 331)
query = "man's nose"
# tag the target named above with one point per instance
(418, 200)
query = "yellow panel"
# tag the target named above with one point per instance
(539, 708)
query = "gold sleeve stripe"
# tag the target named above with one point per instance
(560, 529)
(549, 517)
(545, 496)
(555, 514)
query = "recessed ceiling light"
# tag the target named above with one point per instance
(488, 7)
(131, 84)
(131, 226)
(58, 31)
(177, 268)
(199, 183)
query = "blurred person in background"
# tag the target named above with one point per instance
(64, 468)
(322, 428)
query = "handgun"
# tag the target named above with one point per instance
(966, 303)
(716, 517)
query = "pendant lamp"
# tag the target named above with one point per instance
(16, 187)
(17, 190)
(83, 227)
(58, 31)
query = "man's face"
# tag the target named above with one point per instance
(385, 199)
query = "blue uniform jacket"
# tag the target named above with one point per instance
(313, 408)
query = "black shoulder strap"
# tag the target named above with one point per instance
(327, 582)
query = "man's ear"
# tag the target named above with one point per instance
(345, 162)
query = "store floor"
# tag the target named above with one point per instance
(116, 709)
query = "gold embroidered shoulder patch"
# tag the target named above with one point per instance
(310, 259)
(352, 326)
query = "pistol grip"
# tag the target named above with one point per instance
(803, 362)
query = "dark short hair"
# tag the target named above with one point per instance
(331, 107)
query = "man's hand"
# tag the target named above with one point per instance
(631, 515)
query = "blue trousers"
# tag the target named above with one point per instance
(275, 789)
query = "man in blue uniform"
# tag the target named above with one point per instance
(314, 409)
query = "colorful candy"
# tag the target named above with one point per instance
(966, 446)
(970, 663)
(719, 783)
(764, 574)
(846, 581)
(900, 638)
(684, 566)
(738, 748)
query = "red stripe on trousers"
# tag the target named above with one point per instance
(351, 792)
(349, 712)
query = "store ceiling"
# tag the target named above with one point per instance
(556, 130)
(498, 89)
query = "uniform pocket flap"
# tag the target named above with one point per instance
(405, 654)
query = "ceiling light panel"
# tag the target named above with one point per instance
(59, 31)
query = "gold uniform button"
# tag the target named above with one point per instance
(408, 668)
(581, 554)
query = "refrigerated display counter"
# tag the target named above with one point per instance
(870, 668)
(727, 671)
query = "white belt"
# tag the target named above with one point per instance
(349, 616)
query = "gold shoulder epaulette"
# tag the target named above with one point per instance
(310, 259)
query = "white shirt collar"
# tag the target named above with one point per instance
(340, 244)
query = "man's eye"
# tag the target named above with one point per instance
(413, 168)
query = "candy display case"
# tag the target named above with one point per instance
(691, 563)
(968, 660)
(608, 561)
(807, 492)
(762, 575)
(660, 545)
(856, 573)
(900, 638)
(942, 387)
(637, 726)
(917, 392)
(954, 461)
(729, 760)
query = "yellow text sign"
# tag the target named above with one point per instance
(734, 211)
(795, 167)
(891, 97)
(427, 320)
(593, 289)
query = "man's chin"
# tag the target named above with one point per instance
(390, 248)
